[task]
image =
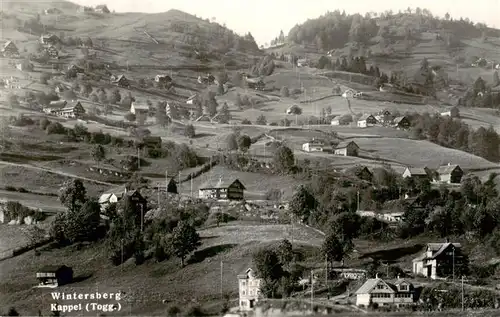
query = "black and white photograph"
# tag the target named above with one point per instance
(250, 158)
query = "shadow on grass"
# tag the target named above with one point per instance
(81, 278)
(393, 254)
(209, 237)
(203, 135)
(201, 255)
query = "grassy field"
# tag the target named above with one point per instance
(257, 185)
(233, 244)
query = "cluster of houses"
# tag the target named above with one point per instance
(9, 49)
(102, 8)
(437, 261)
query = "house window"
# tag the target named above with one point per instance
(403, 287)
(243, 283)
(380, 286)
(243, 293)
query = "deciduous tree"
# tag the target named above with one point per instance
(184, 240)
(73, 194)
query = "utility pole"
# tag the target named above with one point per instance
(158, 186)
(453, 264)
(166, 183)
(142, 217)
(221, 270)
(312, 290)
(191, 187)
(462, 293)
(357, 208)
(326, 270)
(138, 159)
(121, 243)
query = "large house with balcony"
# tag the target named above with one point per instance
(249, 289)
(440, 260)
(382, 293)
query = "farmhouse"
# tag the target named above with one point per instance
(25, 66)
(335, 121)
(452, 112)
(208, 79)
(439, 260)
(172, 186)
(49, 39)
(163, 79)
(313, 146)
(302, 62)
(376, 290)
(451, 174)
(75, 68)
(349, 93)
(416, 173)
(9, 49)
(391, 217)
(83, 9)
(223, 189)
(347, 149)
(139, 108)
(249, 290)
(294, 110)
(52, 11)
(362, 172)
(366, 120)
(402, 123)
(191, 99)
(52, 51)
(102, 8)
(118, 193)
(349, 274)
(120, 81)
(59, 88)
(62, 109)
(54, 276)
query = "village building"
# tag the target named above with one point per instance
(121, 81)
(439, 260)
(349, 274)
(49, 39)
(402, 123)
(191, 99)
(139, 108)
(52, 11)
(391, 217)
(362, 172)
(54, 276)
(25, 66)
(9, 49)
(349, 93)
(207, 80)
(335, 121)
(59, 88)
(102, 8)
(453, 112)
(366, 120)
(76, 68)
(313, 146)
(172, 186)
(294, 109)
(451, 174)
(249, 290)
(52, 51)
(231, 189)
(116, 194)
(62, 109)
(347, 149)
(163, 79)
(203, 118)
(376, 290)
(302, 62)
(416, 173)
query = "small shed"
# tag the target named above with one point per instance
(54, 276)
(347, 149)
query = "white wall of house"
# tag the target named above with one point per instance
(363, 299)
(418, 267)
(362, 124)
(342, 152)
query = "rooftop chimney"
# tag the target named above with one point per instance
(398, 276)
(376, 275)
(449, 164)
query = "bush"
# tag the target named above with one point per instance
(44, 77)
(55, 128)
(44, 123)
(173, 311)
(285, 92)
(189, 131)
(246, 121)
(21, 121)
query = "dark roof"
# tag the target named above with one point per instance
(344, 144)
(399, 119)
(52, 268)
(447, 169)
(221, 183)
(366, 116)
(417, 170)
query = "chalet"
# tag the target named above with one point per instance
(391, 217)
(191, 99)
(313, 146)
(102, 8)
(52, 51)
(294, 109)
(249, 290)
(347, 149)
(439, 260)
(116, 194)
(366, 120)
(402, 123)
(163, 79)
(416, 173)
(49, 39)
(335, 121)
(451, 174)
(120, 81)
(362, 172)
(9, 49)
(54, 276)
(62, 109)
(138, 108)
(207, 80)
(349, 274)
(453, 112)
(76, 68)
(376, 290)
(255, 83)
(223, 189)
